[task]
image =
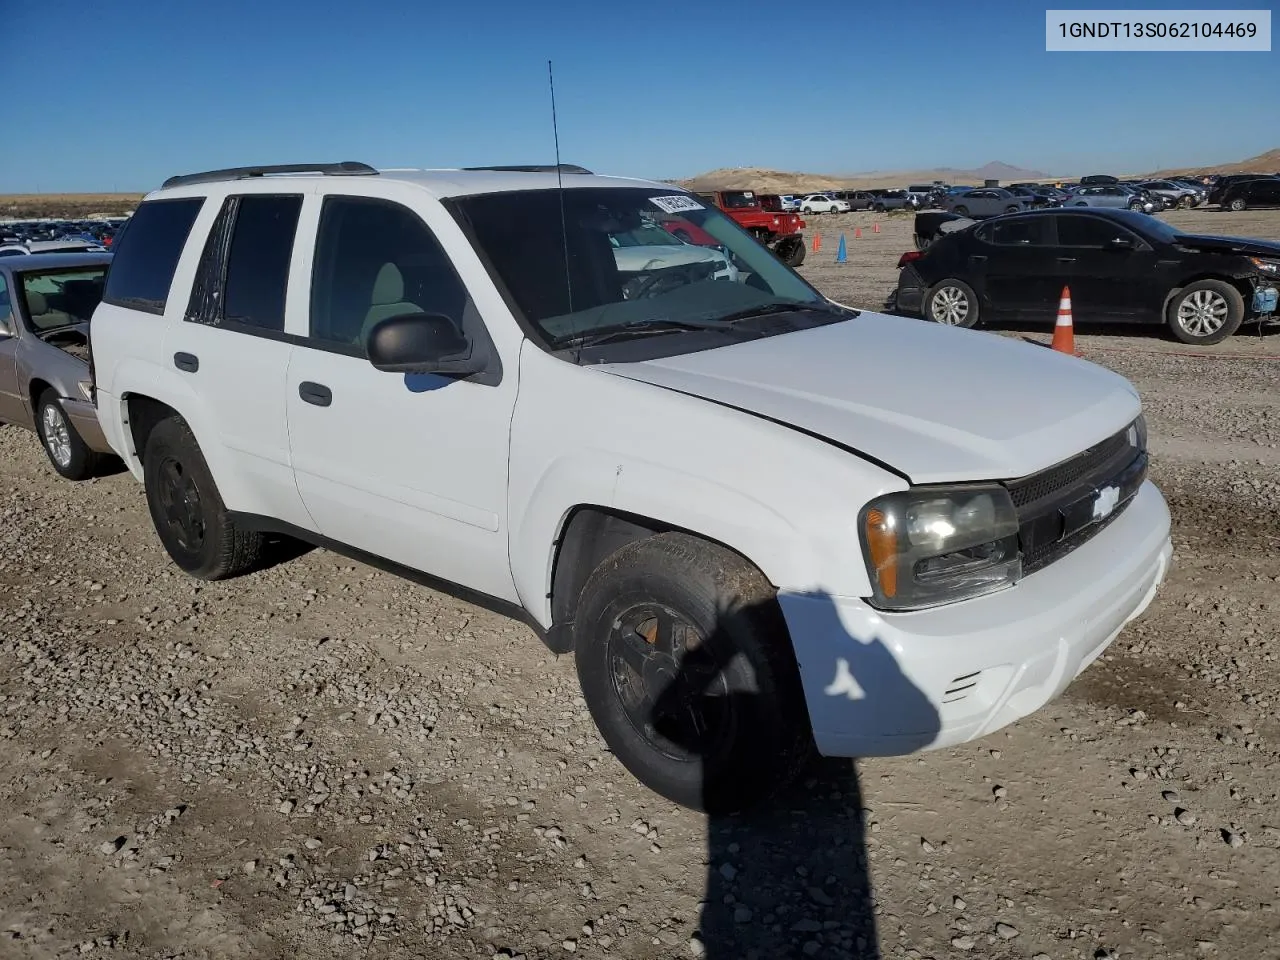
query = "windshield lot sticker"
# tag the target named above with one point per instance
(676, 204)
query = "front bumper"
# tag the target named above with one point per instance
(889, 684)
(84, 418)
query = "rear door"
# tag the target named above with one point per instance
(1021, 276)
(231, 344)
(1264, 193)
(1107, 281)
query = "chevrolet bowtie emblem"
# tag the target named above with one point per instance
(1106, 502)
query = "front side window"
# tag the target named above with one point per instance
(577, 281)
(60, 298)
(146, 258)
(374, 260)
(6, 311)
(1087, 232)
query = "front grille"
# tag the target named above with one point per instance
(1058, 507)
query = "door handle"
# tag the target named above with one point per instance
(1066, 259)
(186, 361)
(316, 393)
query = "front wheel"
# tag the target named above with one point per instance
(1011, 209)
(1237, 205)
(1205, 312)
(961, 211)
(67, 452)
(953, 303)
(190, 518)
(1187, 203)
(1136, 206)
(790, 250)
(687, 669)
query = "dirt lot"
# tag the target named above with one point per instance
(20, 206)
(319, 760)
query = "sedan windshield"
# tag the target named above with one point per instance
(61, 298)
(587, 262)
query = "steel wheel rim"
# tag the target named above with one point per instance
(670, 688)
(57, 436)
(1203, 313)
(949, 305)
(180, 504)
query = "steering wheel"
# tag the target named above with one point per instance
(659, 283)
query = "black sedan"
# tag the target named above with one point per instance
(1119, 265)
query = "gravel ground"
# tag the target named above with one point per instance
(321, 760)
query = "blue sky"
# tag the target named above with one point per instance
(119, 95)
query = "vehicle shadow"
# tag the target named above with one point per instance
(791, 878)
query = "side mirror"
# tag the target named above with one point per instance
(422, 343)
(1120, 243)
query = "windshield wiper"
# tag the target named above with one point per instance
(767, 309)
(640, 328)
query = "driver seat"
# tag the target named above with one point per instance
(386, 299)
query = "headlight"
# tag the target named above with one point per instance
(1137, 433)
(936, 545)
(1266, 266)
(86, 390)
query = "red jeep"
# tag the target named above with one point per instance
(780, 232)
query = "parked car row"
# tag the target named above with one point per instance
(1119, 265)
(713, 487)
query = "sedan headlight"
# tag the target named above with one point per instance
(1271, 267)
(935, 545)
(86, 389)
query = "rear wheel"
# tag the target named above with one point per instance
(1205, 312)
(790, 250)
(688, 672)
(1136, 206)
(189, 515)
(951, 302)
(1187, 203)
(69, 454)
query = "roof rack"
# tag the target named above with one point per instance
(348, 168)
(536, 168)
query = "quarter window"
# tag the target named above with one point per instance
(145, 259)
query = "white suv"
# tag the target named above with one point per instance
(821, 203)
(763, 522)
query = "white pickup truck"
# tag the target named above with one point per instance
(764, 523)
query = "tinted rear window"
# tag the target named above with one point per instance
(146, 256)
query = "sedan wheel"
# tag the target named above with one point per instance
(952, 303)
(1206, 312)
(68, 454)
(1237, 205)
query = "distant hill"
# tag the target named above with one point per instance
(765, 180)
(1268, 162)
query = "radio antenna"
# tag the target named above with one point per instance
(564, 223)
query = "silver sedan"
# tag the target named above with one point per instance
(46, 301)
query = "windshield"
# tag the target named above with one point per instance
(591, 278)
(739, 199)
(61, 298)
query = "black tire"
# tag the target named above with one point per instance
(877, 208)
(1186, 203)
(724, 630)
(1136, 206)
(932, 311)
(790, 251)
(67, 453)
(961, 210)
(1184, 329)
(189, 515)
(1237, 204)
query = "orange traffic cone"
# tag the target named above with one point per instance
(857, 233)
(1064, 339)
(817, 242)
(875, 227)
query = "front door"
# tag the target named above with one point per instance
(1108, 281)
(409, 467)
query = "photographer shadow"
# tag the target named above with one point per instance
(791, 878)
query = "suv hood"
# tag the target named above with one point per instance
(934, 403)
(1244, 245)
